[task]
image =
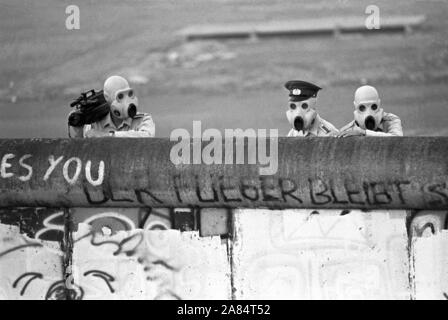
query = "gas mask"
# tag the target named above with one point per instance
(121, 98)
(301, 114)
(368, 112)
(368, 115)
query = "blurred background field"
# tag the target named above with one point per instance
(226, 84)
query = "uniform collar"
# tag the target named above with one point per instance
(107, 122)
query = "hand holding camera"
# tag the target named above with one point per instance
(90, 107)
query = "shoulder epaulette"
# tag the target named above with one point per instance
(140, 115)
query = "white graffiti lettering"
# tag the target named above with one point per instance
(74, 178)
(53, 164)
(27, 167)
(71, 170)
(4, 165)
(100, 178)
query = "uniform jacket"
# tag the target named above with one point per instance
(141, 126)
(390, 125)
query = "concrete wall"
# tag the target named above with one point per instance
(308, 254)
(130, 253)
(94, 219)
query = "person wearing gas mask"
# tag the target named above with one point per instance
(123, 120)
(302, 114)
(370, 118)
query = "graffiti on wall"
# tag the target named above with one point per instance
(153, 264)
(20, 167)
(92, 179)
(216, 188)
(321, 254)
(292, 254)
(43, 224)
(429, 249)
(27, 266)
(49, 224)
(144, 264)
(424, 223)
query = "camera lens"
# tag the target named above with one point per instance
(75, 119)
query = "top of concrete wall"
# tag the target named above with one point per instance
(366, 173)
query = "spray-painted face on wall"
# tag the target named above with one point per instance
(368, 112)
(121, 97)
(62, 289)
(301, 114)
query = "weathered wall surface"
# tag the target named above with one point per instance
(140, 173)
(150, 265)
(429, 263)
(81, 221)
(325, 254)
(29, 269)
(101, 253)
(132, 253)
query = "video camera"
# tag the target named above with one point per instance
(90, 107)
